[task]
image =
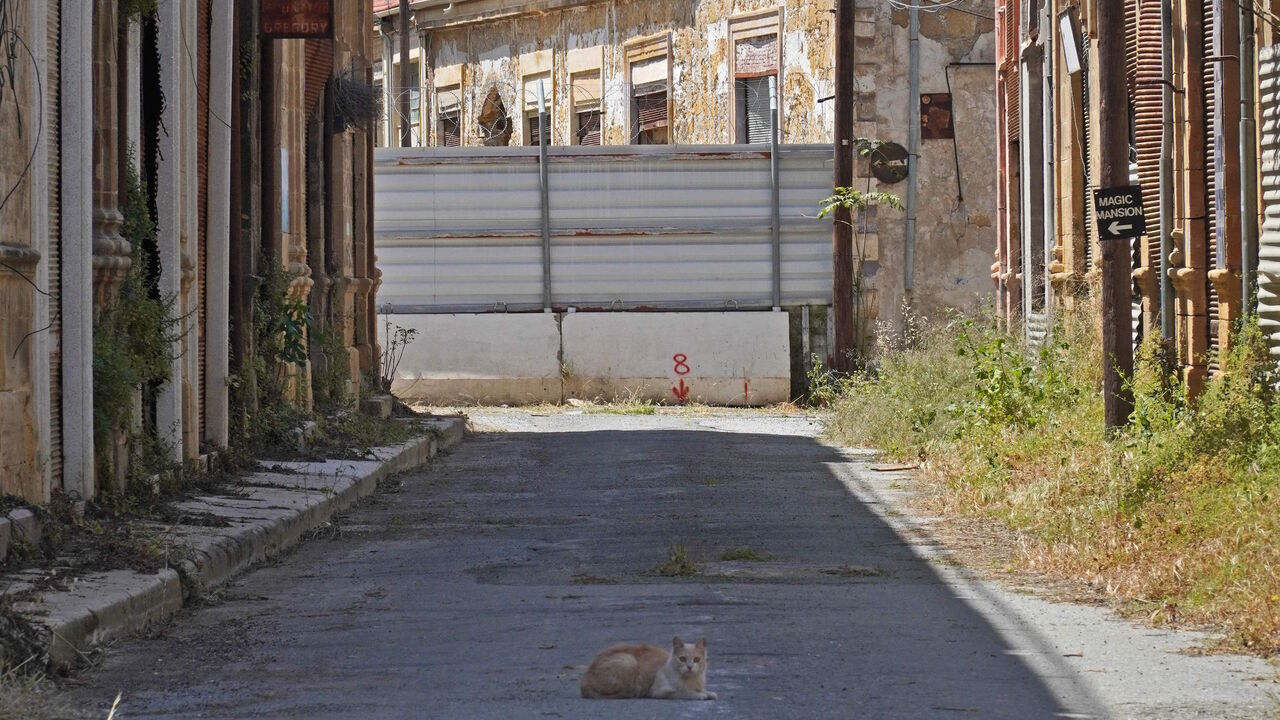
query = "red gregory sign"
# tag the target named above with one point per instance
(297, 18)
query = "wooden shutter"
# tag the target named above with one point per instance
(532, 135)
(651, 110)
(450, 129)
(1212, 74)
(1089, 141)
(753, 98)
(589, 127)
(1013, 103)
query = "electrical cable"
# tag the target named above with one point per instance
(936, 5)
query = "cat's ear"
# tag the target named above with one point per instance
(702, 643)
(676, 644)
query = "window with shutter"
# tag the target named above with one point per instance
(586, 89)
(532, 136)
(449, 129)
(754, 60)
(378, 139)
(588, 132)
(650, 111)
(533, 85)
(449, 116)
(415, 105)
(649, 93)
(754, 116)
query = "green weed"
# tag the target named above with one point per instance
(678, 563)
(745, 554)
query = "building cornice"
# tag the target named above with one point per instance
(437, 14)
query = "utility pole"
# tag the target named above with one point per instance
(1113, 136)
(842, 228)
(402, 98)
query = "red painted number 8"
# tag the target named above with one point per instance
(682, 366)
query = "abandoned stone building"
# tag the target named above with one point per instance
(161, 162)
(613, 72)
(1202, 108)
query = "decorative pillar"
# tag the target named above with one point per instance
(110, 250)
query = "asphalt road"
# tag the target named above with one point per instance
(481, 587)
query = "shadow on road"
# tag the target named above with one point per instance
(480, 589)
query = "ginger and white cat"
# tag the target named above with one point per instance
(645, 671)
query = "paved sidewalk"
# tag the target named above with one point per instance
(480, 589)
(269, 514)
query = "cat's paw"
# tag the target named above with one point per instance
(708, 695)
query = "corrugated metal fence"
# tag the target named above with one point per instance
(1269, 243)
(673, 227)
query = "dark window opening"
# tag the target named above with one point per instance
(649, 108)
(588, 132)
(449, 129)
(754, 116)
(532, 134)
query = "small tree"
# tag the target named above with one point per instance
(857, 202)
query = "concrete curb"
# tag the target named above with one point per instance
(272, 516)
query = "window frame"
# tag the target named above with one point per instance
(584, 68)
(745, 26)
(415, 104)
(444, 81)
(639, 51)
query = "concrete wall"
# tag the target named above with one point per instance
(954, 236)
(717, 358)
(482, 359)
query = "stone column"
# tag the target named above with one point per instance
(110, 250)
(222, 55)
(76, 187)
(170, 212)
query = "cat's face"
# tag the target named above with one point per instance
(689, 659)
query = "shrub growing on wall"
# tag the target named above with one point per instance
(134, 335)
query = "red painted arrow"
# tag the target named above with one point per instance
(682, 391)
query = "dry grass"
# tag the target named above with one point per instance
(678, 563)
(1174, 519)
(25, 696)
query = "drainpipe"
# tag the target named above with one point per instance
(1248, 164)
(1166, 171)
(777, 209)
(1050, 160)
(913, 147)
(544, 138)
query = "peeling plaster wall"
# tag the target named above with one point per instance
(953, 237)
(490, 52)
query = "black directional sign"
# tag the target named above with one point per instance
(1119, 212)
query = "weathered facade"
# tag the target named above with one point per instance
(1199, 100)
(618, 72)
(211, 124)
